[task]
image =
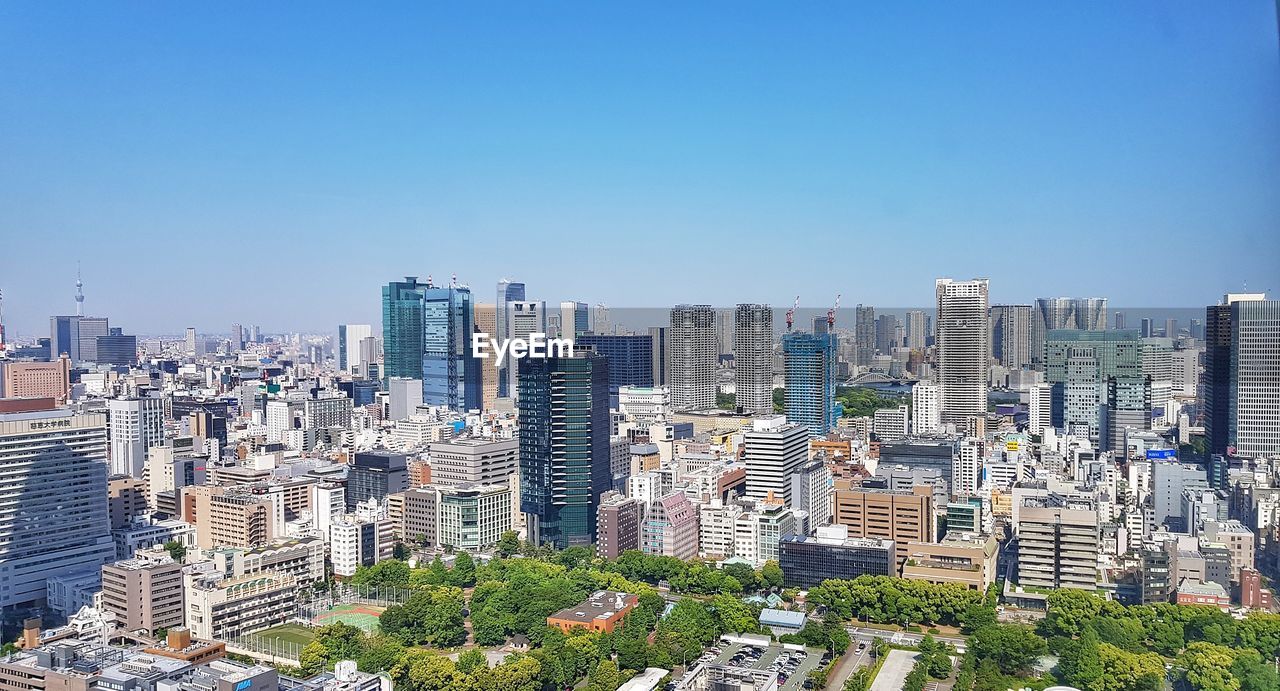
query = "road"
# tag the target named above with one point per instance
(901, 637)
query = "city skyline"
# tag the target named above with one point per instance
(858, 143)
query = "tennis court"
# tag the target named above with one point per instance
(361, 616)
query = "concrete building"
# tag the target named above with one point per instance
(231, 516)
(926, 408)
(1242, 376)
(53, 474)
(891, 424)
(137, 425)
(812, 492)
(1058, 539)
(36, 379)
(302, 558)
(356, 542)
(472, 517)
(374, 475)
(691, 339)
(349, 338)
(966, 467)
(966, 559)
(225, 608)
(618, 525)
(144, 593)
(126, 498)
(773, 450)
(1040, 410)
(1238, 540)
(486, 320)
(753, 359)
(903, 517)
(808, 561)
(470, 460)
(1011, 335)
(671, 528)
(602, 612)
(963, 348)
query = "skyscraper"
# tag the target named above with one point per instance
(508, 291)
(1011, 335)
(691, 339)
(630, 357)
(524, 317)
(753, 358)
(349, 337)
(137, 425)
(773, 450)
(886, 332)
(574, 319)
(809, 377)
(963, 348)
(450, 374)
(237, 338)
(192, 348)
(53, 475)
(864, 335)
(1077, 366)
(64, 337)
(486, 321)
(1242, 376)
(1086, 314)
(402, 333)
(563, 406)
(1127, 410)
(90, 328)
(917, 336)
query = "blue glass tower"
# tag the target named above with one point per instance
(630, 357)
(810, 380)
(450, 374)
(402, 329)
(563, 409)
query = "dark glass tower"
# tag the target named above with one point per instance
(450, 374)
(402, 334)
(563, 405)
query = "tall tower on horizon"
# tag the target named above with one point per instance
(753, 358)
(964, 348)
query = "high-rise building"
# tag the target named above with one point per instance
(1127, 410)
(1077, 365)
(64, 337)
(811, 491)
(966, 467)
(886, 333)
(1011, 335)
(658, 337)
(917, 337)
(864, 335)
(190, 346)
(486, 322)
(89, 329)
(963, 348)
(349, 337)
(563, 407)
(809, 376)
(773, 450)
(53, 475)
(237, 338)
(137, 424)
(37, 379)
(116, 348)
(574, 319)
(691, 339)
(630, 357)
(1242, 376)
(753, 358)
(144, 593)
(1084, 314)
(1058, 541)
(618, 524)
(1040, 409)
(474, 461)
(450, 373)
(508, 291)
(926, 408)
(402, 329)
(523, 318)
(374, 475)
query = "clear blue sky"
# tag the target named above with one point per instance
(273, 163)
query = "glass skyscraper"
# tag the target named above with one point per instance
(563, 406)
(450, 373)
(402, 335)
(810, 380)
(630, 357)
(1077, 366)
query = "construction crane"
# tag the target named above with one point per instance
(791, 313)
(831, 315)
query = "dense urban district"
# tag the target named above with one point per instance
(525, 496)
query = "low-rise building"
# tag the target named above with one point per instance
(831, 553)
(222, 609)
(603, 611)
(966, 559)
(146, 593)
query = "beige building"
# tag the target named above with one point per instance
(37, 380)
(1058, 539)
(963, 558)
(302, 558)
(1238, 540)
(486, 320)
(222, 609)
(126, 498)
(903, 517)
(224, 517)
(144, 593)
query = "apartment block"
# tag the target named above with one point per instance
(144, 593)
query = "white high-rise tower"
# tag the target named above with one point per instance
(964, 345)
(753, 358)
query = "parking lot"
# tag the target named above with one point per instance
(793, 666)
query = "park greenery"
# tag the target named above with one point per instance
(860, 401)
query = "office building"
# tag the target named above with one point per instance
(658, 337)
(64, 337)
(670, 528)
(36, 379)
(88, 331)
(1011, 335)
(349, 338)
(486, 322)
(1058, 540)
(891, 424)
(966, 467)
(959, 558)
(451, 376)
(574, 319)
(618, 524)
(902, 517)
(356, 541)
(523, 318)
(864, 335)
(1127, 411)
(753, 359)
(811, 492)
(831, 554)
(402, 329)
(144, 593)
(691, 341)
(1242, 376)
(472, 516)
(809, 362)
(53, 462)
(1168, 483)
(1077, 366)
(116, 348)
(374, 475)
(224, 609)
(887, 329)
(1040, 409)
(926, 408)
(773, 450)
(963, 348)
(630, 357)
(1081, 314)
(470, 460)
(563, 407)
(508, 292)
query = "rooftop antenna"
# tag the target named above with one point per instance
(79, 293)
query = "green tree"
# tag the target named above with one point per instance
(464, 571)
(313, 658)
(604, 677)
(1207, 667)
(384, 573)
(1126, 671)
(176, 549)
(733, 615)
(429, 617)
(771, 574)
(508, 544)
(471, 659)
(380, 654)
(1013, 648)
(1079, 664)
